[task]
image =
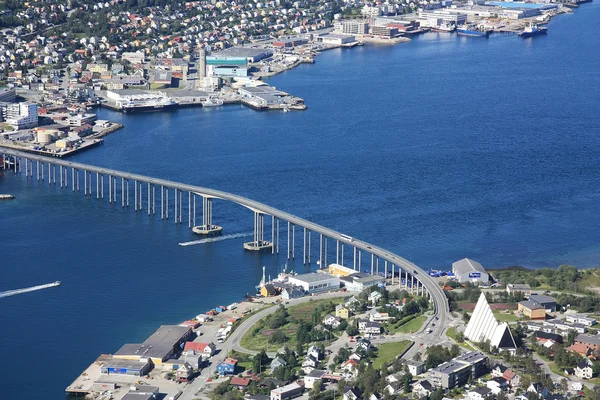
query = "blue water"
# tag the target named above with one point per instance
(438, 149)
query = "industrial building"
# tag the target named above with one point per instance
(467, 270)
(251, 55)
(333, 39)
(8, 95)
(457, 372)
(384, 31)
(159, 347)
(316, 282)
(119, 366)
(360, 281)
(548, 302)
(340, 270)
(531, 310)
(289, 43)
(483, 326)
(448, 17)
(136, 97)
(226, 66)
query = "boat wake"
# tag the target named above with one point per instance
(29, 289)
(217, 239)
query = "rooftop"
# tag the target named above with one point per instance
(126, 364)
(312, 277)
(159, 345)
(532, 305)
(588, 339)
(467, 265)
(540, 298)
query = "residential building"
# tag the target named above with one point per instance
(342, 312)
(375, 296)
(523, 288)
(353, 394)
(206, 350)
(543, 337)
(593, 342)
(290, 391)
(538, 389)
(316, 282)
(352, 27)
(479, 393)
(21, 115)
(583, 370)
(268, 290)
(511, 378)
(227, 366)
(184, 372)
(497, 371)
(315, 352)
(384, 31)
(415, 367)
(458, 371)
(497, 385)
(350, 366)
(332, 321)
(580, 348)
(531, 309)
(483, 326)
(379, 317)
(310, 362)
(423, 388)
(276, 363)
(368, 327)
(239, 383)
(581, 319)
(312, 377)
(292, 292)
(467, 270)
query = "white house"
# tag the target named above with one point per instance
(479, 393)
(375, 296)
(312, 377)
(369, 328)
(497, 385)
(422, 388)
(581, 319)
(332, 321)
(583, 370)
(415, 367)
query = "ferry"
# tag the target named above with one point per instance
(533, 30)
(160, 104)
(212, 101)
(473, 31)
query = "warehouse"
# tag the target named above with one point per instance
(126, 367)
(360, 281)
(467, 270)
(316, 282)
(251, 55)
(159, 347)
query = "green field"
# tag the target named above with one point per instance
(504, 317)
(387, 352)
(411, 326)
(260, 340)
(451, 333)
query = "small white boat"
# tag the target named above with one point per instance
(212, 101)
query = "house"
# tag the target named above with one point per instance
(423, 388)
(497, 371)
(583, 370)
(268, 290)
(352, 301)
(227, 366)
(543, 337)
(522, 288)
(276, 363)
(415, 367)
(315, 352)
(580, 348)
(312, 377)
(479, 394)
(393, 388)
(355, 357)
(353, 394)
(350, 366)
(267, 382)
(290, 391)
(310, 361)
(591, 341)
(332, 321)
(364, 344)
(341, 311)
(195, 360)
(497, 385)
(379, 317)
(205, 349)
(239, 383)
(374, 297)
(538, 389)
(511, 378)
(368, 327)
(292, 292)
(184, 372)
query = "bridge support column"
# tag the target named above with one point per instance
(60, 175)
(304, 248)
(273, 234)
(359, 260)
(293, 241)
(37, 170)
(176, 215)
(141, 197)
(377, 264)
(127, 192)
(342, 258)
(110, 189)
(309, 245)
(42, 170)
(288, 240)
(194, 209)
(162, 202)
(392, 274)
(135, 196)
(337, 251)
(207, 228)
(189, 209)
(180, 206)
(77, 180)
(320, 262)
(277, 235)
(166, 203)
(354, 260)
(153, 199)
(259, 243)
(372, 263)
(85, 183)
(148, 201)
(49, 171)
(385, 269)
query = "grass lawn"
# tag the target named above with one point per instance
(451, 333)
(556, 369)
(411, 326)
(305, 310)
(387, 352)
(506, 317)
(261, 340)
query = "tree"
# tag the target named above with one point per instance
(316, 389)
(278, 337)
(438, 394)
(502, 396)
(564, 385)
(260, 362)
(352, 329)
(406, 381)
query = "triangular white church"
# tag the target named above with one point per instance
(483, 326)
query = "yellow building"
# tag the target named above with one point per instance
(532, 310)
(342, 312)
(339, 270)
(268, 290)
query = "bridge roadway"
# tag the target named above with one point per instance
(437, 295)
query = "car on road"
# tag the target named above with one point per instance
(420, 344)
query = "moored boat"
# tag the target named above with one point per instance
(533, 30)
(474, 31)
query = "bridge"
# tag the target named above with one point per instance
(145, 189)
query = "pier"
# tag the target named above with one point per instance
(171, 200)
